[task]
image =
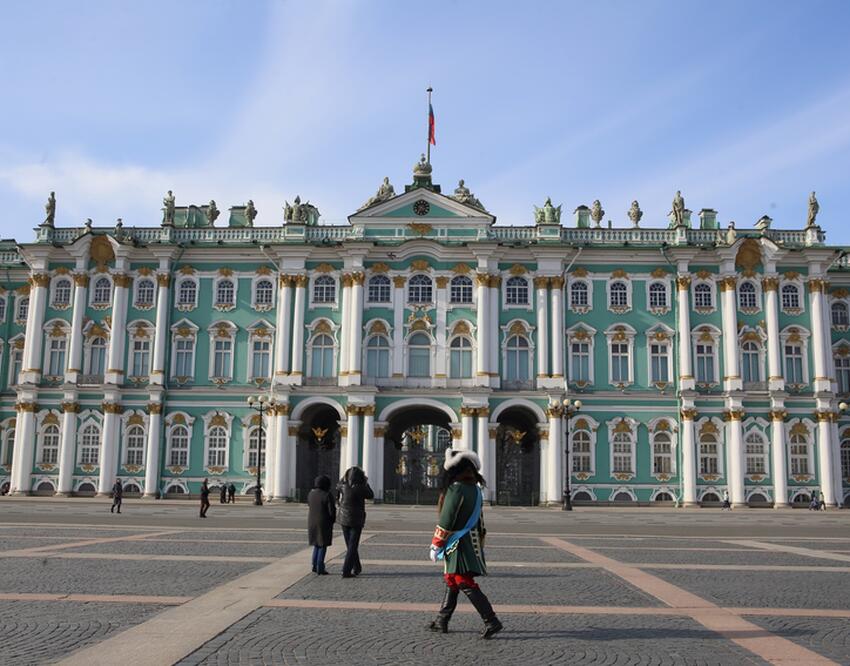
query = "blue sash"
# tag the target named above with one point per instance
(457, 536)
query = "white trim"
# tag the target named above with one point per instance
(224, 306)
(88, 418)
(175, 336)
(132, 336)
(669, 342)
(252, 376)
(228, 430)
(801, 295)
(528, 334)
(592, 429)
(804, 335)
(299, 408)
(267, 307)
(19, 299)
(720, 434)
(170, 425)
(389, 410)
(615, 330)
(810, 446)
(247, 427)
(41, 427)
(335, 302)
(429, 304)
(762, 350)
(97, 277)
(672, 430)
(712, 286)
(125, 428)
(12, 381)
(580, 309)
(758, 296)
(213, 330)
(760, 427)
(313, 333)
(52, 299)
(49, 328)
(590, 340)
(431, 358)
(137, 305)
(668, 297)
(189, 306)
(714, 333)
(529, 293)
(618, 309)
(633, 432)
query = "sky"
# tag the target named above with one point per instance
(743, 106)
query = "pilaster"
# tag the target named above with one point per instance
(70, 409)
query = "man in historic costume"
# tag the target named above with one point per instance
(459, 540)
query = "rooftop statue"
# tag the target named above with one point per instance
(596, 212)
(299, 213)
(635, 213)
(250, 213)
(212, 212)
(731, 234)
(422, 167)
(763, 223)
(50, 210)
(168, 208)
(678, 209)
(464, 196)
(549, 214)
(385, 192)
(814, 207)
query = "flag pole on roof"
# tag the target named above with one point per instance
(432, 138)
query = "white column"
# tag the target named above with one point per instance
(779, 457)
(485, 452)
(376, 478)
(735, 473)
(160, 338)
(398, 326)
(291, 477)
(281, 455)
(31, 373)
(466, 427)
(542, 304)
(269, 478)
(155, 436)
(348, 454)
(683, 316)
(490, 471)
(543, 430)
(495, 307)
(826, 476)
(355, 351)
(441, 332)
(70, 408)
(118, 332)
(482, 317)
(731, 375)
(836, 462)
(298, 328)
(555, 455)
(345, 330)
(22, 458)
(109, 443)
(776, 382)
(820, 346)
(369, 453)
(284, 308)
(557, 293)
(689, 458)
(75, 353)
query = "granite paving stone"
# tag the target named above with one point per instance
(175, 547)
(755, 557)
(372, 551)
(828, 636)
(610, 545)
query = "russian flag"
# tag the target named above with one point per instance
(432, 137)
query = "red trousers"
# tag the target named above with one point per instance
(455, 581)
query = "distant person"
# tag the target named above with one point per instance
(205, 498)
(222, 494)
(231, 492)
(117, 496)
(320, 521)
(822, 502)
(727, 506)
(353, 490)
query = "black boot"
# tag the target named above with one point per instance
(441, 623)
(477, 598)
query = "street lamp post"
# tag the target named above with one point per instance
(570, 408)
(259, 404)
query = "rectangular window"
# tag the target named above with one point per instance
(16, 363)
(184, 358)
(659, 363)
(420, 363)
(799, 457)
(794, 364)
(261, 359)
(222, 354)
(705, 363)
(580, 361)
(141, 357)
(619, 363)
(56, 359)
(622, 456)
(842, 373)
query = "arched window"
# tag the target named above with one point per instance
(461, 289)
(22, 309)
(419, 355)
(578, 295)
(144, 292)
(460, 358)
(135, 445)
(263, 293)
(324, 289)
(379, 289)
(747, 296)
(516, 291)
(378, 357)
(225, 293)
(622, 459)
(62, 293)
(2, 308)
(842, 371)
(799, 448)
(178, 447)
(702, 297)
(323, 356)
(90, 445)
(419, 289)
(618, 295)
(845, 458)
(790, 297)
(517, 366)
(658, 295)
(581, 451)
(708, 454)
(840, 316)
(256, 442)
(217, 447)
(751, 366)
(102, 292)
(662, 453)
(50, 445)
(754, 450)
(187, 292)
(794, 363)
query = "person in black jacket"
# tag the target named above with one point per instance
(320, 520)
(117, 496)
(222, 494)
(205, 498)
(353, 490)
(231, 493)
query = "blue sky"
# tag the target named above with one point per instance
(744, 106)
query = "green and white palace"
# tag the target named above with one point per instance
(706, 360)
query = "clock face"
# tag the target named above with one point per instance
(421, 207)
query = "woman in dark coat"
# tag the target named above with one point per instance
(320, 520)
(353, 490)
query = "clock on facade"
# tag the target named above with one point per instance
(421, 207)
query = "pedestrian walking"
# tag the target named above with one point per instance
(727, 506)
(205, 498)
(117, 496)
(352, 491)
(321, 515)
(459, 540)
(231, 492)
(822, 502)
(222, 494)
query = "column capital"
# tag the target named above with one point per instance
(379, 431)
(122, 280)
(493, 432)
(163, 280)
(683, 282)
(39, 280)
(442, 281)
(777, 414)
(468, 411)
(154, 408)
(728, 283)
(482, 279)
(818, 285)
(346, 279)
(111, 407)
(689, 413)
(300, 280)
(280, 409)
(358, 278)
(557, 281)
(81, 279)
(554, 411)
(822, 416)
(733, 415)
(482, 412)
(541, 282)
(770, 283)
(495, 282)
(70, 407)
(25, 406)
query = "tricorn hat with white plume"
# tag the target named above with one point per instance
(454, 456)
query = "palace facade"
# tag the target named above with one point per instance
(706, 360)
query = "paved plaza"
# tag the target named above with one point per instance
(157, 585)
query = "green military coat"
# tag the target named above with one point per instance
(467, 554)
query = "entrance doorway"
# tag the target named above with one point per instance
(316, 449)
(517, 459)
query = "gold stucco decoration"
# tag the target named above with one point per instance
(380, 267)
(461, 269)
(420, 228)
(324, 268)
(749, 255)
(322, 326)
(378, 328)
(517, 269)
(218, 420)
(622, 426)
(619, 274)
(659, 273)
(420, 265)
(136, 419)
(101, 251)
(517, 328)
(461, 328)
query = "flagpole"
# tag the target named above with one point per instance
(428, 139)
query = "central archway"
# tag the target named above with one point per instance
(517, 457)
(317, 447)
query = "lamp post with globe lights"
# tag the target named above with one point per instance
(260, 404)
(570, 407)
